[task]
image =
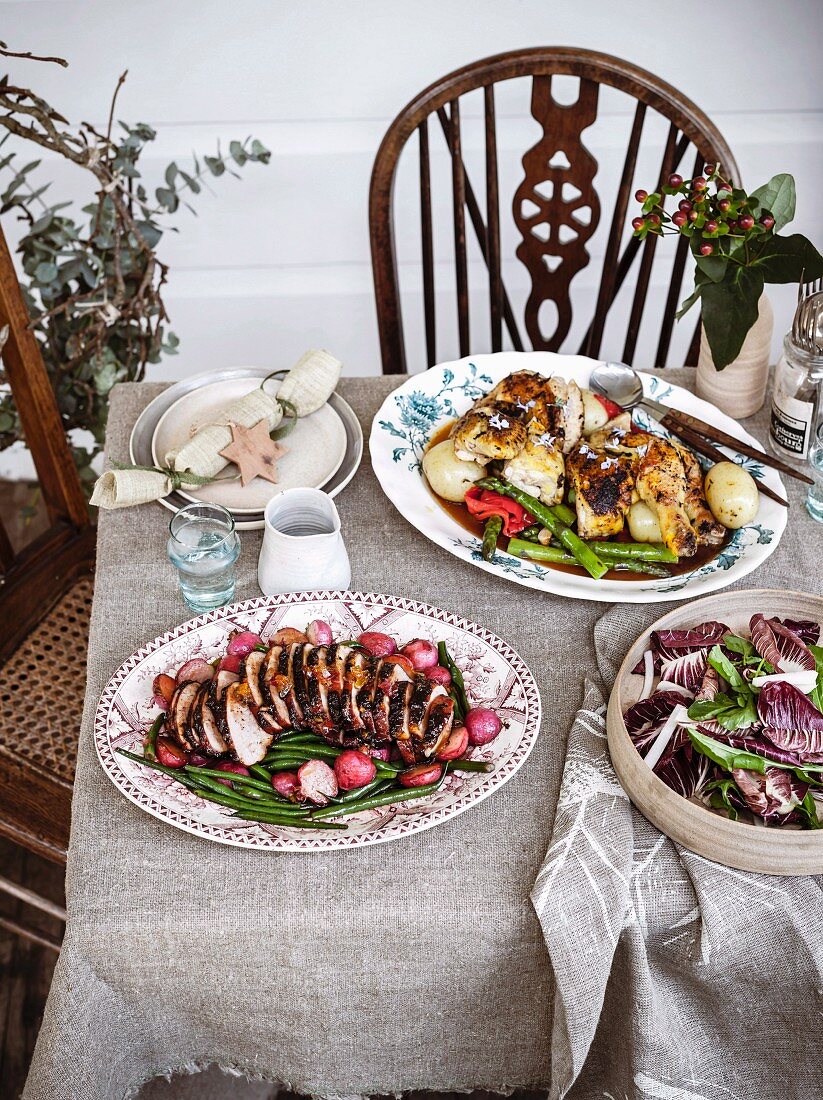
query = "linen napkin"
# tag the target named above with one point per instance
(715, 973)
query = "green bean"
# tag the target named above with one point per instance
(491, 533)
(173, 772)
(637, 551)
(458, 686)
(583, 553)
(249, 794)
(522, 549)
(289, 823)
(471, 765)
(232, 777)
(149, 748)
(260, 773)
(376, 785)
(387, 798)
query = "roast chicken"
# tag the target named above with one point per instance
(339, 692)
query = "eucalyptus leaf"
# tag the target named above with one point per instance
(728, 310)
(788, 260)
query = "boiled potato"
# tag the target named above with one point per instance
(643, 523)
(594, 412)
(731, 493)
(450, 477)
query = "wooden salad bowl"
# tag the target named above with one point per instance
(772, 850)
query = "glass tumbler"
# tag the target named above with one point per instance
(204, 546)
(814, 501)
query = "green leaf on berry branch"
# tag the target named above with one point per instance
(788, 260)
(778, 197)
(728, 310)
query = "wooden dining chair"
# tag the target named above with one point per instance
(45, 601)
(556, 207)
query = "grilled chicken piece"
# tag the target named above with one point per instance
(661, 483)
(566, 423)
(489, 431)
(603, 486)
(709, 532)
(243, 733)
(546, 405)
(538, 469)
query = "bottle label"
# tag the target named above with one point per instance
(790, 422)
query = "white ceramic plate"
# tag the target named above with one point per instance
(315, 447)
(495, 676)
(772, 850)
(411, 414)
(140, 450)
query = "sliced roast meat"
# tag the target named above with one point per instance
(210, 738)
(274, 686)
(251, 674)
(247, 739)
(437, 726)
(178, 717)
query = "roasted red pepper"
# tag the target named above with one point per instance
(484, 503)
(611, 407)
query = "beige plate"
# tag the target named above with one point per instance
(316, 446)
(772, 850)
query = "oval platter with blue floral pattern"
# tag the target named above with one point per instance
(412, 414)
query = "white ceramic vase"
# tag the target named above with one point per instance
(303, 549)
(739, 389)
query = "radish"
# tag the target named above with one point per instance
(456, 744)
(287, 784)
(318, 782)
(242, 643)
(169, 754)
(353, 769)
(196, 669)
(440, 675)
(379, 754)
(230, 663)
(319, 633)
(287, 635)
(164, 686)
(423, 655)
(420, 775)
(483, 725)
(233, 767)
(160, 701)
(198, 760)
(379, 645)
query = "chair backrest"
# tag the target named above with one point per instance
(556, 207)
(37, 576)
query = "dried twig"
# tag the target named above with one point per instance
(4, 52)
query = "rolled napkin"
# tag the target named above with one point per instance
(311, 381)
(124, 488)
(201, 455)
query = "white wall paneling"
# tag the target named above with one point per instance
(279, 261)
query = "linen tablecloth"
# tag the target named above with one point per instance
(417, 964)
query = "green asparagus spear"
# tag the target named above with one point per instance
(534, 550)
(636, 551)
(491, 533)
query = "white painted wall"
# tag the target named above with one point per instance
(279, 261)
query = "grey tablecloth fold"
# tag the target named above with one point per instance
(676, 978)
(418, 964)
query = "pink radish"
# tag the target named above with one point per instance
(233, 767)
(319, 633)
(164, 685)
(420, 775)
(379, 645)
(353, 769)
(318, 782)
(287, 784)
(169, 754)
(456, 744)
(242, 643)
(198, 760)
(440, 675)
(423, 655)
(230, 663)
(483, 725)
(379, 754)
(160, 701)
(197, 669)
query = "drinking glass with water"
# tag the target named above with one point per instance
(814, 501)
(204, 546)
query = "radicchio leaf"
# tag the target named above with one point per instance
(686, 669)
(805, 629)
(709, 685)
(790, 720)
(667, 645)
(781, 647)
(772, 796)
(752, 742)
(650, 713)
(685, 771)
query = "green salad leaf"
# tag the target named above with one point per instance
(734, 714)
(817, 695)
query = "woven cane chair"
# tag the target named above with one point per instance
(45, 601)
(556, 197)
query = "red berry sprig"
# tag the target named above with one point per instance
(717, 216)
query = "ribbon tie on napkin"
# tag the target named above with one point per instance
(663, 959)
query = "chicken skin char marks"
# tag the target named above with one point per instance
(338, 692)
(666, 476)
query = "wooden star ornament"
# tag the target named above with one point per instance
(254, 452)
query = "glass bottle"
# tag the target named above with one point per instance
(796, 384)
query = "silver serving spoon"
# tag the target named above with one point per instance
(619, 382)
